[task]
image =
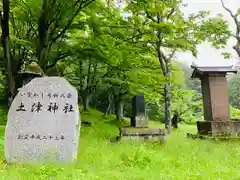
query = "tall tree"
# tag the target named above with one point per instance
(234, 90)
(191, 84)
(54, 20)
(165, 31)
(122, 67)
(5, 41)
(236, 35)
(38, 32)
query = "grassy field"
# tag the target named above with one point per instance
(179, 158)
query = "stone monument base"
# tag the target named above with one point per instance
(156, 134)
(214, 138)
(219, 128)
(139, 121)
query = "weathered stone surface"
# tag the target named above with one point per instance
(43, 123)
(143, 134)
(204, 127)
(139, 132)
(144, 138)
(225, 128)
(213, 138)
(139, 117)
(219, 128)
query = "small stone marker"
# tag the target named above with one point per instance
(43, 123)
(139, 117)
(139, 124)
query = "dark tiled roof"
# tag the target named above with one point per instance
(198, 71)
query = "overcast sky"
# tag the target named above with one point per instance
(206, 52)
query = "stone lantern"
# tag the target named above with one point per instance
(30, 72)
(217, 119)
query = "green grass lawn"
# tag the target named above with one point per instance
(179, 158)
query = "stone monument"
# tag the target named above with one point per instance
(43, 123)
(139, 129)
(215, 100)
(139, 117)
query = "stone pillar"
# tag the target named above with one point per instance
(206, 97)
(139, 117)
(215, 97)
(215, 100)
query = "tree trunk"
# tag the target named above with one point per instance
(6, 51)
(112, 108)
(119, 109)
(121, 105)
(167, 95)
(110, 99)
(43, 28)
(107, 110)
(86, 101)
